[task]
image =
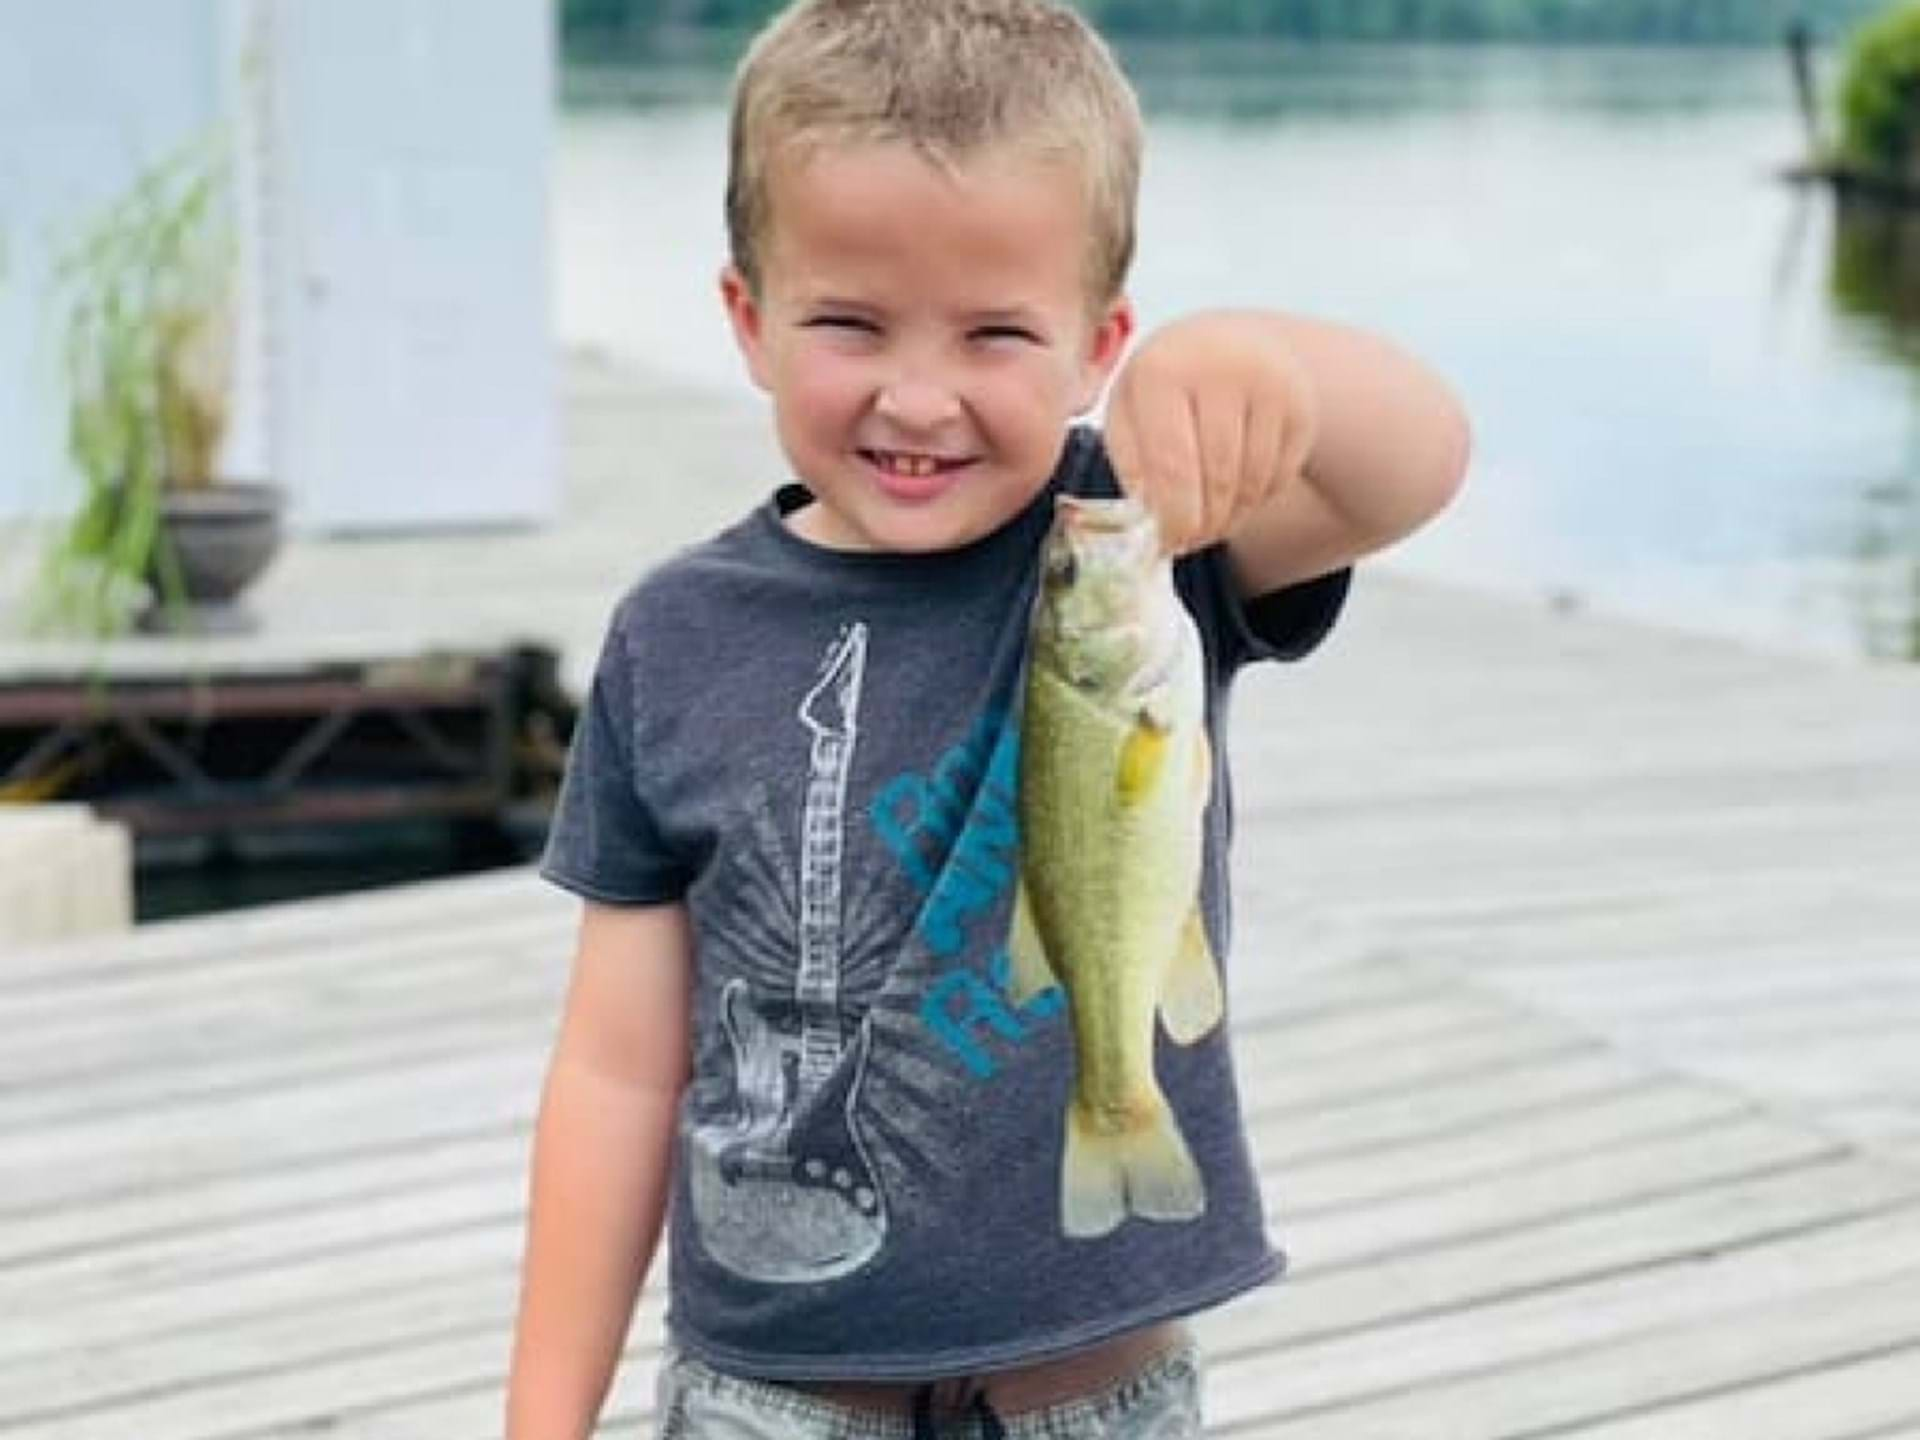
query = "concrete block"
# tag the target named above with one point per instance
(63, 872)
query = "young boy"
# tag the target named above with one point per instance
(790, 805)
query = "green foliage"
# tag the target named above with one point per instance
(1602, 21)
(145, 347)
(594, 25)
(1880, 93)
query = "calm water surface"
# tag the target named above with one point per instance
(1678, 415)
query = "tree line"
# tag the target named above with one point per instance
(637, 24)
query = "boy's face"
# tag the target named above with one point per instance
(926, 337)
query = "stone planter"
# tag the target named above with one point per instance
(223, 536)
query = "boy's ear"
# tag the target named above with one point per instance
(743, 314)
(1105, 345)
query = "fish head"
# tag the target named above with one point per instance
(1106, 617)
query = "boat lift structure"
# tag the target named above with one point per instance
(473, 738)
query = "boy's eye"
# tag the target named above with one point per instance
(856, 323)
(1006, 332)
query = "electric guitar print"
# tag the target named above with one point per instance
(783, 1189)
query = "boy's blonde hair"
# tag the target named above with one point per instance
(950, 78)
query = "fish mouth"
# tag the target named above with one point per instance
(1107, 516)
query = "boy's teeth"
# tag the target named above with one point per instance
(915, 465)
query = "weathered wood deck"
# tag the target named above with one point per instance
(1579, 1012)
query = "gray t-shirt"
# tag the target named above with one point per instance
(816, 750)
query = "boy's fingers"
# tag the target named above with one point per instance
(1266, 438)
(1171, 473)
(1296, 444)
(1147, 442)
(1122, 452)
(1222, 439)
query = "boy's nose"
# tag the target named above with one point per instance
(917, 403)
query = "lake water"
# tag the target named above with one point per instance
(1677, 415)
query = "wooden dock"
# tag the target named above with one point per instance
(1577, 985)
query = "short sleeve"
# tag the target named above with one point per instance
(1284, 624)
(604, 843)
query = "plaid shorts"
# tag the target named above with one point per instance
(697, 1402)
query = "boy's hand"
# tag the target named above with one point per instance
(1212, 417)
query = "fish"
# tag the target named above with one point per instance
(1115, 771)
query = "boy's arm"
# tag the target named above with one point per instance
(1303, 445)
(602, 1163)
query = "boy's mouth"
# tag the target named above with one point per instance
(912, 465)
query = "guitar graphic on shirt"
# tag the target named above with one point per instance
(782, 1188)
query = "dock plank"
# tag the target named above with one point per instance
(1744, 1348)
(1850, 1401)
(1521, 1195)
(261, 933)
(428, 1095)
(1501, 1145)
(1405, 1356)
(1322, 1299)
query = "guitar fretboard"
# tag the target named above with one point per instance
(817, 985)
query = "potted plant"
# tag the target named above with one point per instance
(159, 538)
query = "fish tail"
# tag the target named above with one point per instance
(1130, 1162)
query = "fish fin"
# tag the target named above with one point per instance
(1028, 971)
(1142, 757)
(1140, 1166)
(1191, 1001)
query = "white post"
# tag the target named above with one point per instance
(63, 872)
(409, 342)
(91, 93)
